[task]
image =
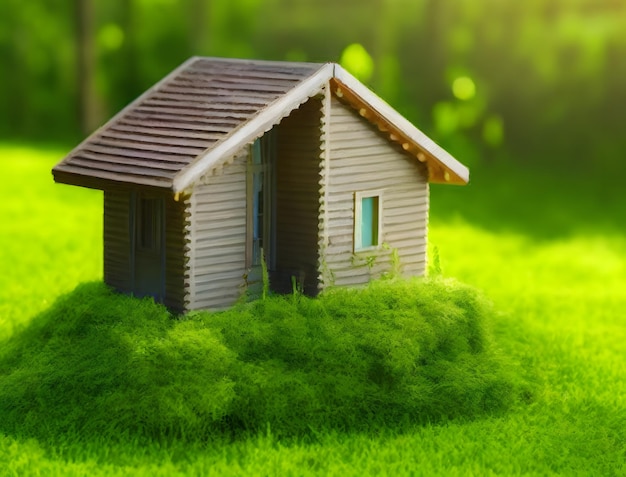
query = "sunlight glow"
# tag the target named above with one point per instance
(493, 131)
(111, 37)
(464, 88)
(357, 61)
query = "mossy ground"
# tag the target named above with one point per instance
(393, 354)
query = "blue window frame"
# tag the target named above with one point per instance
(369, 222)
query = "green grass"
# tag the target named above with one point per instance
(548, 251)
(101, 364)
(50, 235)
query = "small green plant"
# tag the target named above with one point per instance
(370, 261)
(360, 258)
(395, 267)
(296, 287)
(265, 276)
(244, 288)
(328, 275)
(434, 267)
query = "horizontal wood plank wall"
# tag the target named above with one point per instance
(217, 237)
(118, 267)
(362, 159)
(297, 197)
(174, 254)
(117, 246)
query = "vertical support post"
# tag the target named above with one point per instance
(323, 237)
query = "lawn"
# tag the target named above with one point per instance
(544, 247)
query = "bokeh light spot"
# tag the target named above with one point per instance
(111, 37)
(357, 61)
(493, 131)
(446, 118)
(464, 88)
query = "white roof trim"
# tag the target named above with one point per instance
(386, 111)
(249, 131)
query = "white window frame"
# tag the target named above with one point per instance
(358, 219)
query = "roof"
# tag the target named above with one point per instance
(208, 108)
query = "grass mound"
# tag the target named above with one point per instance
(394, 352)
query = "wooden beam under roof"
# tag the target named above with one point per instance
(442, 167)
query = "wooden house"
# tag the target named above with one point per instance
(225, 162)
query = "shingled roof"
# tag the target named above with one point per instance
(208, 108)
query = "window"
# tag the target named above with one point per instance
(367, 220)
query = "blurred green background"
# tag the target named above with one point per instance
(539, 82)
(529, 94)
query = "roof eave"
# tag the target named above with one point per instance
(60, 166)
(442, 167)
(69, 176)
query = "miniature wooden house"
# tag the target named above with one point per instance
(225, 163)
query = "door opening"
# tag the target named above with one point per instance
(261, 242)
(148, 247)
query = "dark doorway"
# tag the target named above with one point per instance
(149, 247)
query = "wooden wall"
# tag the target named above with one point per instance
(118, 245)
(361, 159)
(117, 240)
(297, 198)
(175, 263)
(205, 254)
(216, 237)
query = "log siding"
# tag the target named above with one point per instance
(362, 160)
(118, 246)
(216, 237)
(297, 198)
(117, 240)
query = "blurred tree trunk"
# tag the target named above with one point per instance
(429, 57)
(384, 52)
(132, 84)
(86, 65)
(199, 21)
(383, 32)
